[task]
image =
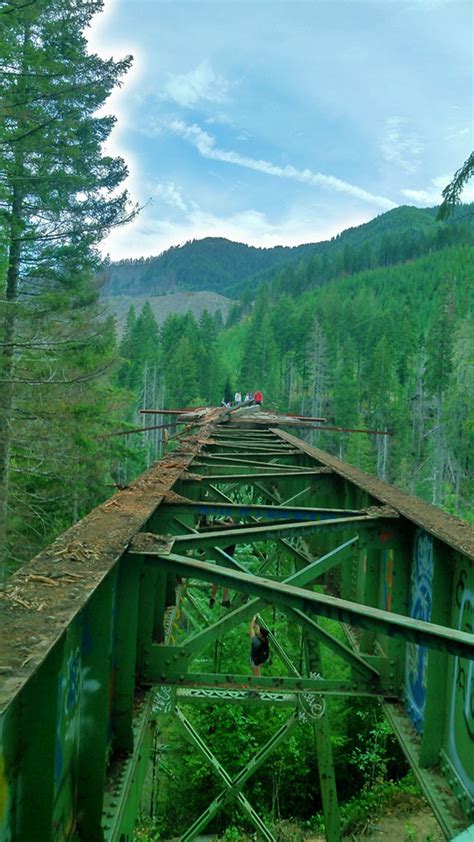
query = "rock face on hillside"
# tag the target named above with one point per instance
(164, 305)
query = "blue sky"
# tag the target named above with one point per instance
(284, 121)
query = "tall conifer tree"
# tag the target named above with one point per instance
(60, 195)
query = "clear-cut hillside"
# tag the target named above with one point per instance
(164, 305)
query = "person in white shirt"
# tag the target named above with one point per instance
(237, 397)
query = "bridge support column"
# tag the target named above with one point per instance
(322, 734)
(368, 589)
(37, 723)
(437, 670)
(126, 653)
(97, 629)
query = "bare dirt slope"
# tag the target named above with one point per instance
(164, 305)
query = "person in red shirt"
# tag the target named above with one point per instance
(258, 397)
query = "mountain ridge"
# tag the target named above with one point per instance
(216, 264)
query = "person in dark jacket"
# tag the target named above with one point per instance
(259, 647)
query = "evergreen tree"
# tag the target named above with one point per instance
(182, 380)
(458, 418)
(127, 346)
(59, 198)
(208, 363)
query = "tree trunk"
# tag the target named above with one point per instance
(7, 363)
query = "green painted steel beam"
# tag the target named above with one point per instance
(211, 633)
(248, 448)
(301, 578)
(251, 442)
(256, 510)
(222, 496)
(259, 454)
(243, 776)
(268, 532)
(445, 809)
(257, 450)
(466, 835)
(126, 647)
(230, 432)
(250, 478)
(305, 577)
(223, 448)
(298, 494)
(216, 459)
(345, 652)
(216, 552)
(322, 565)
(262, 468)
(208, 696)
(322, 733)
(122, 795)
(203, 749)
(196, 607)
(208, 635)
(92, 743)
(276, 647)
(383, 622)
(160, 674)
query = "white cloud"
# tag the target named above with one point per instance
(199, 85)
(206, 146)
(431, 195)
(148, 235)
(455, 134)
(400, 146)
(171, 195)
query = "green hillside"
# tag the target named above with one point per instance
(213, 264)
(389, 348)
(219, 265)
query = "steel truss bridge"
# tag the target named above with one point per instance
(102, 631)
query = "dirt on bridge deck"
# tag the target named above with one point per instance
(42, 597)
(450, 529)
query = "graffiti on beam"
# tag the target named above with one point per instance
(461, 708)
(421, 594)
(77, 689)
(215, 695)
(387, 579)
(163, 702)
(67, 737)
(312, 706)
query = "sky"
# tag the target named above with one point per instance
(280, 122)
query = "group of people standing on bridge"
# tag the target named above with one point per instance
(250, 399)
